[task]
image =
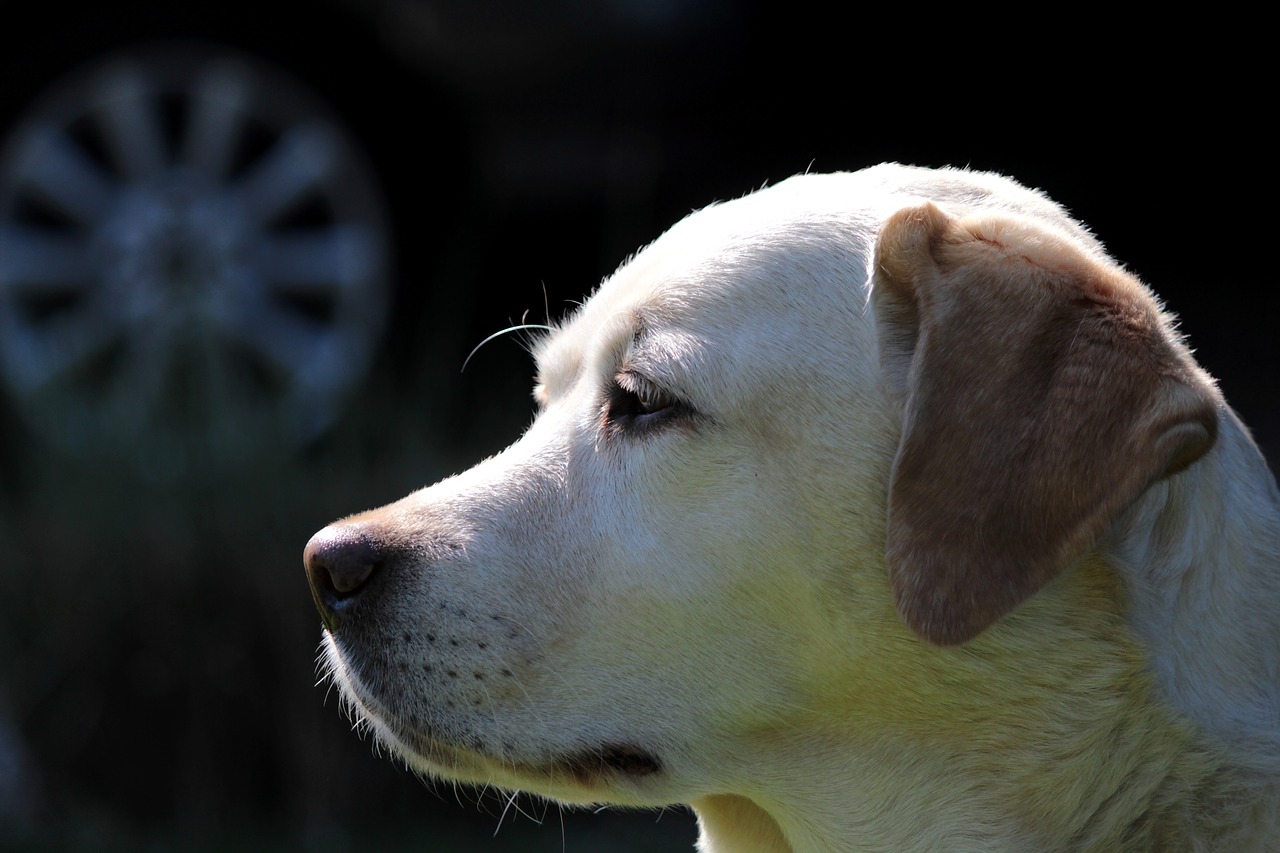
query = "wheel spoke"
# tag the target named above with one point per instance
(297, 163)
(34, 260)
(52, 166)
(57, 349)
(220, 98)
(338, 258)
(286, 344)
(129, 112)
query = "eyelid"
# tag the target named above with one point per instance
(639, 384)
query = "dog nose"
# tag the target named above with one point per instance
(340, 560)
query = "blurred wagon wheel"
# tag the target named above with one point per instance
(194, 262)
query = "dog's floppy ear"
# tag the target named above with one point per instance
(1042, 391)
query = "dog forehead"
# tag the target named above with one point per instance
(786, 262)
(732, 274)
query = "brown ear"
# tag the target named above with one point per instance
(1042, 392)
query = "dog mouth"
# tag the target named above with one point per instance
(591, 768)
(451, 752)
(583, 774)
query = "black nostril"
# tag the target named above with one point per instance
(339, 561)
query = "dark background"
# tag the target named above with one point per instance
(157, 638)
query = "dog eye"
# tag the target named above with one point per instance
(638, 401)
(635, 403)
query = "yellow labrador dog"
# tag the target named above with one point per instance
(879, 511)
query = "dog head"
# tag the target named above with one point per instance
(787, 458)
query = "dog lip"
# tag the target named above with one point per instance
(587, 767)
(626, 759)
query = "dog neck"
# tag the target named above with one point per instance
(905, 795)
(1200, 556)
(1199, 560)
(732, 824)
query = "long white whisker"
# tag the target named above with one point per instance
(511, 801)
(517, 328)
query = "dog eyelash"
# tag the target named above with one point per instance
(634, 403)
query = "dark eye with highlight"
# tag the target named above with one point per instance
(635, 404)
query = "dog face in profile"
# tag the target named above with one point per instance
(869, 511)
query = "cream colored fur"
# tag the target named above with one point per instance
(870, 512)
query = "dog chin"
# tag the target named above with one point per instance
(421, 752)
(617, 770)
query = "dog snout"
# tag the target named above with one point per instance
(341, 560)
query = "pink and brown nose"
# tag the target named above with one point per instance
(341, 561)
